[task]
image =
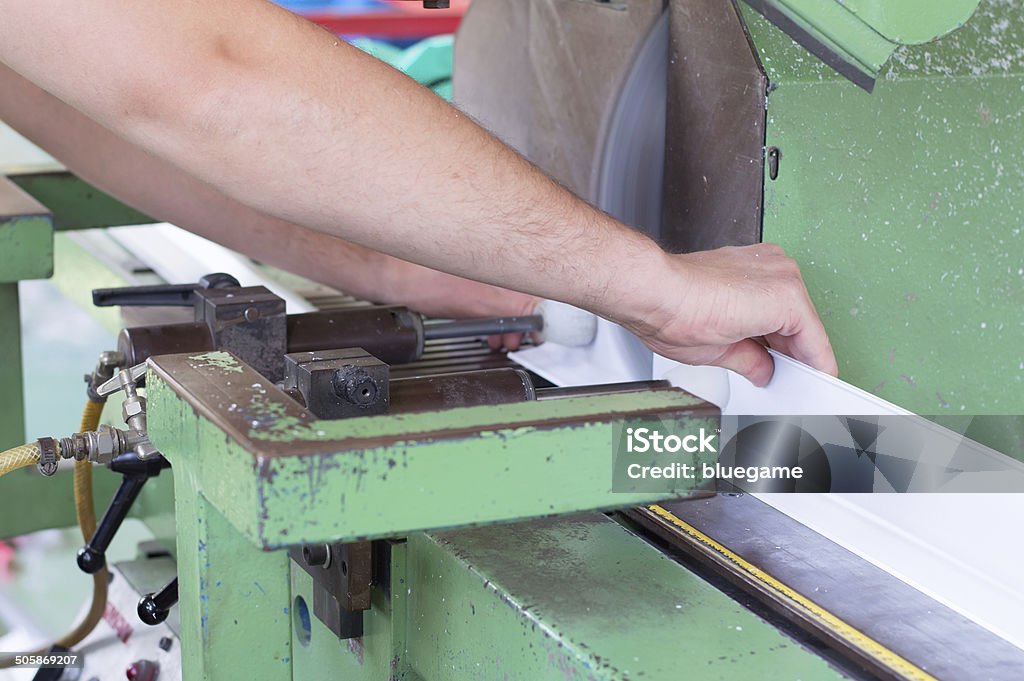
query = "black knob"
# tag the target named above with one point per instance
(91, 561)
(154, 608)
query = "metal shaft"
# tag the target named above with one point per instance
(605, 389)
(468, 328)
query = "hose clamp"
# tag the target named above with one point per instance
(48, 456)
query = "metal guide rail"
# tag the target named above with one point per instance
(864, 614)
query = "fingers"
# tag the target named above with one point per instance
(509, 341)
(749, 359)
(806, 340)
(823, 360)
(512, 341)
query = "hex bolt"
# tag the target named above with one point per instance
(355, 385)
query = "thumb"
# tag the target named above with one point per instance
(749, 359)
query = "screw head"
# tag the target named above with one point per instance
(317, 555)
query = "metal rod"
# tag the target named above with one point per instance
(482, 327)
(605, 389)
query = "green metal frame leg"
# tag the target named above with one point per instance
(234, 598)
(12, 415)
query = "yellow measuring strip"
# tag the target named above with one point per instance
(861, 641)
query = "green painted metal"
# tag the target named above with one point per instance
(234, 605)
(26, 236)
(912, 22)
(865, 33)
(904, 211)
(76, 204)
(12, 416)
(29, 250)
(74, 265)
(26, 252)
(579, 597)
(379, 654)
(282, 477)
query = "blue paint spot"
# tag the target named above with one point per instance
(286, 659)
(217, 583)
(285, 610)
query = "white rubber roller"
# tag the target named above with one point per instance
(566, 325)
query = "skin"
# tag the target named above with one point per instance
(169, 194)
(260, 111)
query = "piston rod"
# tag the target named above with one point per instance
(468, 328)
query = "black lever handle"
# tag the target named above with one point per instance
(154, 608)
(92, 557)
(162, 295)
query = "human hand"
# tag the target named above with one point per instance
(709, 307)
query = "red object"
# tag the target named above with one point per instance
(6, 562)
(406, 19)
(389, 24)
(142, 670)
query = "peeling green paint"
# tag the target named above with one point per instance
(461, 467)
(220, 360)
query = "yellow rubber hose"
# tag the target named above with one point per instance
(19, 457)
(86, 512)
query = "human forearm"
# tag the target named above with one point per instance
(166, 192)
(284, 118)
(284, 124)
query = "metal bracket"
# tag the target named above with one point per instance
(342, 583)
(337, 384)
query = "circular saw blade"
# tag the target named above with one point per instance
(632, 155)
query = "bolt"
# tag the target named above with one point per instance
(317, 555)
(251, 314)
(355, 385)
